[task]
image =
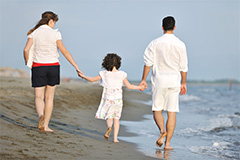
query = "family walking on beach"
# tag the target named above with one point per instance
(166, 56)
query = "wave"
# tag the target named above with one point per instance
(189, 98)
(222, 123)
(220, 149)
(188, 132)
(218, 124)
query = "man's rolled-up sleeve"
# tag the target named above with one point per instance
(149, 55)
(183, 60)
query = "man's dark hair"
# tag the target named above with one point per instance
(168, 23)
(111, 60)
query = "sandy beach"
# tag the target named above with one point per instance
(77, 134)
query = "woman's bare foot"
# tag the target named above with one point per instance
(47, 130)
(41, 123)
(116, 141)
(159, 142)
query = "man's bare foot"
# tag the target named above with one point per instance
(159, 142)
(168, 148)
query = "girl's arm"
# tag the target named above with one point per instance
(131, 86)
(67, 55)
(27, 49)
(91, 79)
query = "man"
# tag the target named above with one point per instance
(168, 58)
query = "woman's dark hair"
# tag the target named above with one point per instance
(168, 23)
(46, 17)
(111, 60)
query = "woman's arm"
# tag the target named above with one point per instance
(130, 86)
(67, 54)
(27, 49)
(91, 79)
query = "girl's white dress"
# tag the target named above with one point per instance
(111, 102)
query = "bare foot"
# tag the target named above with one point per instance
(47, 130)
(116, 141)
(159, 153)
(159, 142)
(168, 148)
(40, 123)
(107, 134)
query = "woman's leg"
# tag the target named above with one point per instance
(49, 97)
(39, 100)
(116, 130)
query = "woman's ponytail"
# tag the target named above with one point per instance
(46, 17)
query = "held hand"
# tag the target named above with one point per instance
(81, 75)
(144, 84)
(142, 87)
(183, 89)
(79, 71)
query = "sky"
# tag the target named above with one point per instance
(92, 28)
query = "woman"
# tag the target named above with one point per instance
(45, 67)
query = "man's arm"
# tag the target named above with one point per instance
(184, 83)
(146, 71)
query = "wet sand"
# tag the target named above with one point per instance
(77, 134)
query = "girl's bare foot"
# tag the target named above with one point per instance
(115, 141)
(107, 134)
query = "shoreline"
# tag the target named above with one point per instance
(78, 135)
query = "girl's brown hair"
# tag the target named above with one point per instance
(46, 17)
(111, 60)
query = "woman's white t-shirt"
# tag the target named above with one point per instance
(44, 44)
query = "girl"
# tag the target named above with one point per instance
(44, 43)
(110, 107)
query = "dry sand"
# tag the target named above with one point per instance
(77, 134)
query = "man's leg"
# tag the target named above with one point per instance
(159, 120)
(171, 123)
(158, 117)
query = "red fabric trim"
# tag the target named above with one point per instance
(45, 64)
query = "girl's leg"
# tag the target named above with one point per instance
(49, 97)
(39, 100)
(109, 123)
(116, 130)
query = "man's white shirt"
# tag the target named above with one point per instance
(168, 57)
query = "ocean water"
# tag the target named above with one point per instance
(208, 126)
